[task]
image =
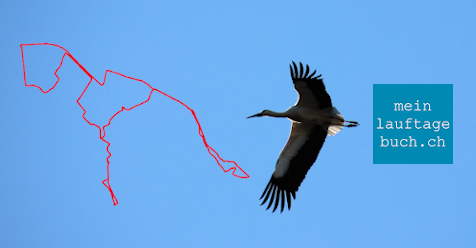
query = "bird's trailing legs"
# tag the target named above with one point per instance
(351, 124)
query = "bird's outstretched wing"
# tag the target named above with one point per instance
(311, 89)
(297, 157)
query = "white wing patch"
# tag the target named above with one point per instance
(339, 122)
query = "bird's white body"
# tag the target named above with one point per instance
(329, 119)
(313, 117)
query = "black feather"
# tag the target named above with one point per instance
(295, 69)
(272, 197)
(288, 197)
(266, 189)
(310, 76)
(267, 194)
(302, 70)
(307, 71)
(282, 200)
(277, 200)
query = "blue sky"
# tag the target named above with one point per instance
(226, 60)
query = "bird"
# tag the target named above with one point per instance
(313, 118)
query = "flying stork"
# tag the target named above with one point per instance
(313, 117)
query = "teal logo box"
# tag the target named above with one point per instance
(413, 124)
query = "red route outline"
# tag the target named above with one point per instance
(102, 131)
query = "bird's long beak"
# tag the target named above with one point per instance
(256, 115)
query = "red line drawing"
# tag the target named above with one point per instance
(102, 131)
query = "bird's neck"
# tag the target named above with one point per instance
(278, 114)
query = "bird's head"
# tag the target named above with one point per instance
(262, 113)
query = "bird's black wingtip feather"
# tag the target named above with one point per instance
(301, 70)
(317, 77)
(276, 204)
(266, 189)
(307, 71)
(279, 196)
(288, 197)
(295, 70)
(268, 192)
(272, 197)
(300, 73)
(282, 200)
(312, 74)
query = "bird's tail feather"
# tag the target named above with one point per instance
(336, 122)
